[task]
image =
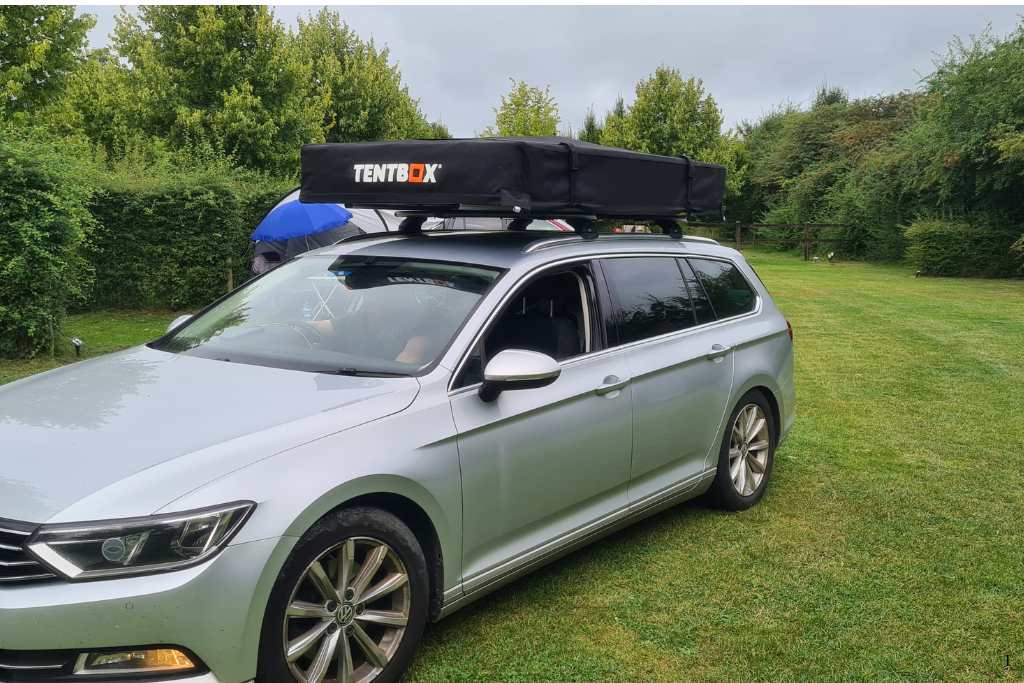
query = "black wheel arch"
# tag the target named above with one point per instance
(773, 403)
(418, 521)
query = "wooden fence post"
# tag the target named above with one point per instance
(807, 243)
(739, 236)
(231, 275)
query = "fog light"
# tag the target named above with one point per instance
(152, 661)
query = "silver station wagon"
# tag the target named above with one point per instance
(290, 485)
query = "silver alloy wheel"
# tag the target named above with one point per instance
(348, 613)
(748, 449)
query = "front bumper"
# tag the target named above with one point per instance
(204, 678)
(214, 610)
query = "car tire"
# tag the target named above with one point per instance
(300, 604)
(748, 445)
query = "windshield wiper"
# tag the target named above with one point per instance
(356, 372)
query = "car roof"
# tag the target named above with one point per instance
(504, 249)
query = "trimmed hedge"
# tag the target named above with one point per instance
(43, 220)
(175, 241)
(960, 249)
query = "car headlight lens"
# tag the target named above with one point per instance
(140, 545)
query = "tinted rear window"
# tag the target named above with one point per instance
(729, 292)
(701, 303)
(650, 297)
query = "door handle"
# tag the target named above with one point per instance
(717, 351)
(611, 383)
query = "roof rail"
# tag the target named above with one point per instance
(702, 240)
(575, 239)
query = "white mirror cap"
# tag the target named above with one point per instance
(520, 365)
(178, 322)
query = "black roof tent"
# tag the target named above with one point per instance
(525, 178)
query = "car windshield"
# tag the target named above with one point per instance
(346, 315)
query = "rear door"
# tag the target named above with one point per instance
(681, 369)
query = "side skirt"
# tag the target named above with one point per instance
(491, 579)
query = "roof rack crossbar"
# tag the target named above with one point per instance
(412, 225)
(671, 227)
(585, 227)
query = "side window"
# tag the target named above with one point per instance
(701, 303)
(729, 292)
(554, 315)
(650, 297)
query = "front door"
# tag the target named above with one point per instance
(540, 464)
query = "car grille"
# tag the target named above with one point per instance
(16, 564)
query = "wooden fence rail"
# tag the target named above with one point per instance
(808, 239)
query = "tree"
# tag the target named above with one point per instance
(591, 130)
(44, 195)
(102, 100)
(39, 47)
(614, 133)
(675, 117)
(224, 78)
(363, 91)
(834, 162)
(439, 131)
(525, 111)
(971, 128)
(829, 94)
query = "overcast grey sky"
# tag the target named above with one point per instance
(457, 60)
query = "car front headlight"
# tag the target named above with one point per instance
(140, 545)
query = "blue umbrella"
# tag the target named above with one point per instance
(292, 218)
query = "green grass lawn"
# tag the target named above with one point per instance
(888, 547)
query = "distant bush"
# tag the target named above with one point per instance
(167, 238)
(955, 147)
(43, 220)
(938, 247)
(1018, 250)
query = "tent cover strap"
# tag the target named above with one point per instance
(537, 177)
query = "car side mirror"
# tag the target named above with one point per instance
(178, 322)
(517, 369)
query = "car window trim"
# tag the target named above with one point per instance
(684, 262)
(700, 283)
(743, 277)
(608, 347)
(588, 302)
(686, 288)
(607, 305)
(588, 341)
